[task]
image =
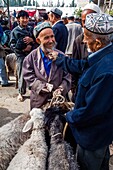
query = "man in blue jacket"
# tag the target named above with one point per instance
(59, 29)
(91, 120)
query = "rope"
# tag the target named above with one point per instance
(60, 100)
(56, 135)
(57, 100)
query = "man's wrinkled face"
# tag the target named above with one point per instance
(23, 21)
(46, 39)
(89, 40)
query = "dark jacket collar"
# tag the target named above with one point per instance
(59, 21)
(98, 55)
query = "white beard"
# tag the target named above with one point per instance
(48, 50)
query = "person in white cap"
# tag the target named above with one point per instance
(91, 120)
(80, 50)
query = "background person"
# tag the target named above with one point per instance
(15, 23)
(73, 31)
(3, 75)
(59, 29)
(22, 43)
(64, 19)
(45, 17)
(80, 50)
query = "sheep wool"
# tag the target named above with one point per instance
(11, 138)
(32, 155)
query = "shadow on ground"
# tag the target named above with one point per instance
(6, 116)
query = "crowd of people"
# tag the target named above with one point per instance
(58, 55)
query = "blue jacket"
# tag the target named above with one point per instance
(91, 120)
(17, 34)
(61, 35)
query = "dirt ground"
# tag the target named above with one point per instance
(10, 108)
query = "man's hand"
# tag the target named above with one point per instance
(48, 88)
(53, 55)
(28, 40)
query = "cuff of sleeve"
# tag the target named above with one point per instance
(60, 55)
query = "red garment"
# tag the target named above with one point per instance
(31, 13)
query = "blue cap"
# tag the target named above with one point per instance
(40, 27)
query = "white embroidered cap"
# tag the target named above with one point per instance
(99, 23)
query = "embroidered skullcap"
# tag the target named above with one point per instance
(41, 26)
(92, 7)
(99, 23)
(56, 11)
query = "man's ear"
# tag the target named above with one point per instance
(98, 43)
(38, 40)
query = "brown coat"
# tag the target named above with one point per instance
(36, 78)
(79, 52)
(79, 48)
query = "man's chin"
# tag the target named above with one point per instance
(49, 49)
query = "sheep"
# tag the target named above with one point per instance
(61, 154)
(33, 154)
(11, 138)
(11, 66)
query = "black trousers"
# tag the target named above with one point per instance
(93, 160)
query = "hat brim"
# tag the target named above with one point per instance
(56, 14)
(41, 30)
(100, 33)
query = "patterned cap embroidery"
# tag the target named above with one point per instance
(99, 23)
(41, 26)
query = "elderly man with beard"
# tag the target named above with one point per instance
(41, 75)
(91, 120)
